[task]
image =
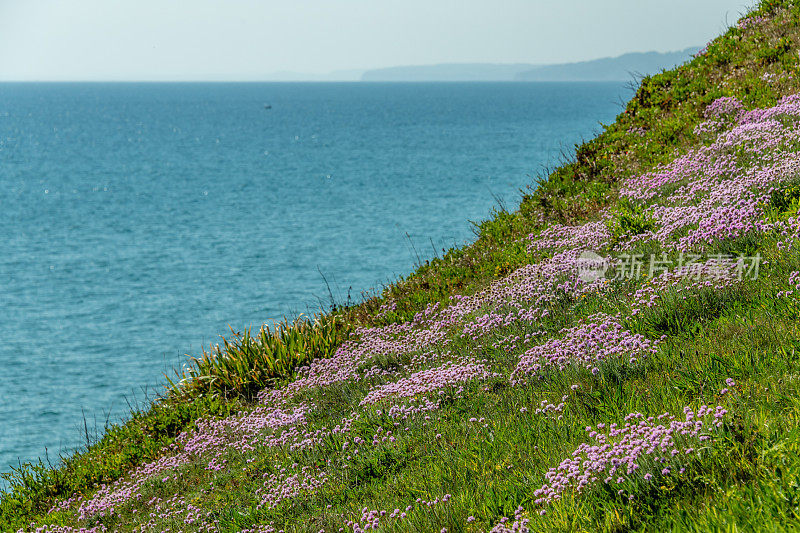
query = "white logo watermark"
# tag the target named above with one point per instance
(591, 266)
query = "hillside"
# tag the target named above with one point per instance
(620, 68)
(620, 353)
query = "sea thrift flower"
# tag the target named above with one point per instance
(794, 282)
(715, 274)
(426, 381)
(599, 338)
(625, 450)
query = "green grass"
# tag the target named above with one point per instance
(747, 479)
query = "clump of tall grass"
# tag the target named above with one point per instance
(629, 219)
(785, 200)
(245, 363)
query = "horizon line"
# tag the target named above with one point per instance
(375, 82)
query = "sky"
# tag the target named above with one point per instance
(241, 40)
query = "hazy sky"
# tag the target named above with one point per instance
(248, 39)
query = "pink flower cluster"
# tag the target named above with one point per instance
(716, 273)
(177, 510)
(788, 231)
(624, 457)
(519, 525)
(210, 440)
(717, 192)
(412, 408)
(550, 410)
(631, 452)
(66, 529)
(748, 22)
(589, 236)
(426, 381)
(641, 132)
(727, 106)
(288, 484)
(588, 344)
(794, 282)
(373, 518)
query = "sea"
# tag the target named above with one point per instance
(139, 221)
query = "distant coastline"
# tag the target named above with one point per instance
(620, 68)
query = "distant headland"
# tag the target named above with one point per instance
(620, 68)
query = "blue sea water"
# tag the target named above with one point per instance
(138, 220)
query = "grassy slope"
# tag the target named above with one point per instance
(750, 480)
